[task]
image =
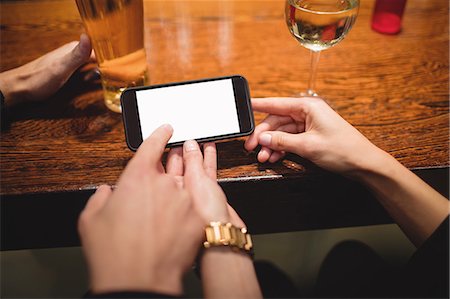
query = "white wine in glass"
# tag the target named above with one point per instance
(319, 25)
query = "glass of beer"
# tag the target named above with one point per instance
(116, 30)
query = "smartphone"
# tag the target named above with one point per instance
(205, 110)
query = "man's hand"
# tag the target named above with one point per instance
(145, 234)
(41, 78)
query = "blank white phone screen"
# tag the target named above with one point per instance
(197, 110)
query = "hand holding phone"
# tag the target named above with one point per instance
(204, 110)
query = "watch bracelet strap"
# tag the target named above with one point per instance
(219, 232)
(226, 234)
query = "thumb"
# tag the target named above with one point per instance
(79, 55)
(193, 164)
(97, 201)
(95, 204)
(282, 141)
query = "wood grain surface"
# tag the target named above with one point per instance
(393, 88)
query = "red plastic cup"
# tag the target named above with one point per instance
(387, 16)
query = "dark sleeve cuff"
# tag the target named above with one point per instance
(427, 271)
(128, 294)
(3, 113)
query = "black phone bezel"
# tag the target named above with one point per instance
(130, 113)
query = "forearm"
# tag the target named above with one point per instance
(228, 274)
(416, 207)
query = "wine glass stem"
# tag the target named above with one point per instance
(315, 55)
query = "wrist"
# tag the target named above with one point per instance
(224, 253)
(221, 264)
(223, 257)
(378, 164)
(366, 161)
(13, 87)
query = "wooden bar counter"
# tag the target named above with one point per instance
(393, 88)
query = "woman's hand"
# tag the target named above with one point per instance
(309, 128)
(223, 269)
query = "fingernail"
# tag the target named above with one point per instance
(190, 146)
(166, 127)
(265, 139)
(84, 42)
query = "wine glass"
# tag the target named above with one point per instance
(319, 25)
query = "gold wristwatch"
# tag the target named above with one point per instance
(226, 234)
